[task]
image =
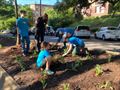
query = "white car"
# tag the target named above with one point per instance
(82, 31)
(108, 33)
(6, 31)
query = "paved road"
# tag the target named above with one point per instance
(92, 43)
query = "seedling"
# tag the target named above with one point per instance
(106, 85)
(34, 52)
(109, 58)
(1, 46)
(43, 82)
(19, 60)
(89, 57)
(98, 70)
(77, 64)
(44, 74)
(43, 79)
(66, 86)
(65, 50)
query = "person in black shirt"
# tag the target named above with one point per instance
(40, 31)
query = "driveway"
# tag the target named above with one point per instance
(92, 43)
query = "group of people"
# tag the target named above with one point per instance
(75, 45)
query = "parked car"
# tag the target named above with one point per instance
(32, 30)
(6, 31)
(50, 31)
(108, 33)
(82, 31)
(66, 29)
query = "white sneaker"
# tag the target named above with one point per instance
(49, 72)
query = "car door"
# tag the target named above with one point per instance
(100, 33)
(118, 33)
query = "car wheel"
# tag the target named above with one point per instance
(103, 37)
(88, 37)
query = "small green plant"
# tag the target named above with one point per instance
(77, 64)
(1, 46)
(43, 82)
(89, 57)
(44, 74)
(109, 58)
(43, 79)
(66, 86)
(34, 52)
(106, 85)
(98, 70)
(65, 50)
(19, 60)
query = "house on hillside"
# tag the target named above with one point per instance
(36, 9)
(96, 9)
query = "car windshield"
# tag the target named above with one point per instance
(83, 27)
(112, 28)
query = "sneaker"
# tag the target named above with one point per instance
(49, 72)
(24, 55)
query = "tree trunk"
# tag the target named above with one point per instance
(16, 13)
(18, 38)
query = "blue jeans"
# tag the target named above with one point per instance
(25, 41)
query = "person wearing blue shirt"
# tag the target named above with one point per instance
(75, 44)
(62, 34)
(44, 58)
(23, 27)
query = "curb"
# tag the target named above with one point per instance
(7, 82)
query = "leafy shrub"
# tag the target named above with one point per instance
(95, 22)
(61, 22)
(94, 30)
(7, 23)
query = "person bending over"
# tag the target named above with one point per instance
(75, 45)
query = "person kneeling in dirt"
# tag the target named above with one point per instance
(62, 35)
(76, 45)
(44, 58)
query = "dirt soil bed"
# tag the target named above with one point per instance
(71, 73)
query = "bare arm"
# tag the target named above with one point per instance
(68, 51)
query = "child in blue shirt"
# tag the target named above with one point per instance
(75, 44)
(23, 27)
(44, 58)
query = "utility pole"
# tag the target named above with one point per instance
(16, 13)
(40, 7)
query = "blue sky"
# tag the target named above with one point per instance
(49, 2)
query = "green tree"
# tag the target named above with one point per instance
(77, 6)
(29, 12)
(7, 8)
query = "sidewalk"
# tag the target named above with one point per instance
(6, 81)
